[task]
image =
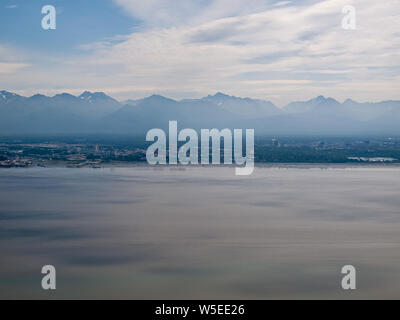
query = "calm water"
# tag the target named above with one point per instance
(163, 233)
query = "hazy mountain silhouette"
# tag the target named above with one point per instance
(246, 107)
(98, 113)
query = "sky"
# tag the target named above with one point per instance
(280, 51)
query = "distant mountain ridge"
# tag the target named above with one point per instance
(96, 112)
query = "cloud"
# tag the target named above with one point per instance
(251, 48)
(11, 6)
(10, 61)
(11, 67)
(167, 13)
(161, 12)
(282, 3)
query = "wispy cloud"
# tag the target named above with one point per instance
(282, 3)
(11, 67)
(287, 50)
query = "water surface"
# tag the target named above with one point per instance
(201, 232)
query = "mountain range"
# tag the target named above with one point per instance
(97, 112)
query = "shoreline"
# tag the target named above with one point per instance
(283, 165)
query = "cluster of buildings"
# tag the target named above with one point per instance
(72, 155)
(15, 163)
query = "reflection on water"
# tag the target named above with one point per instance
(162, 233)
